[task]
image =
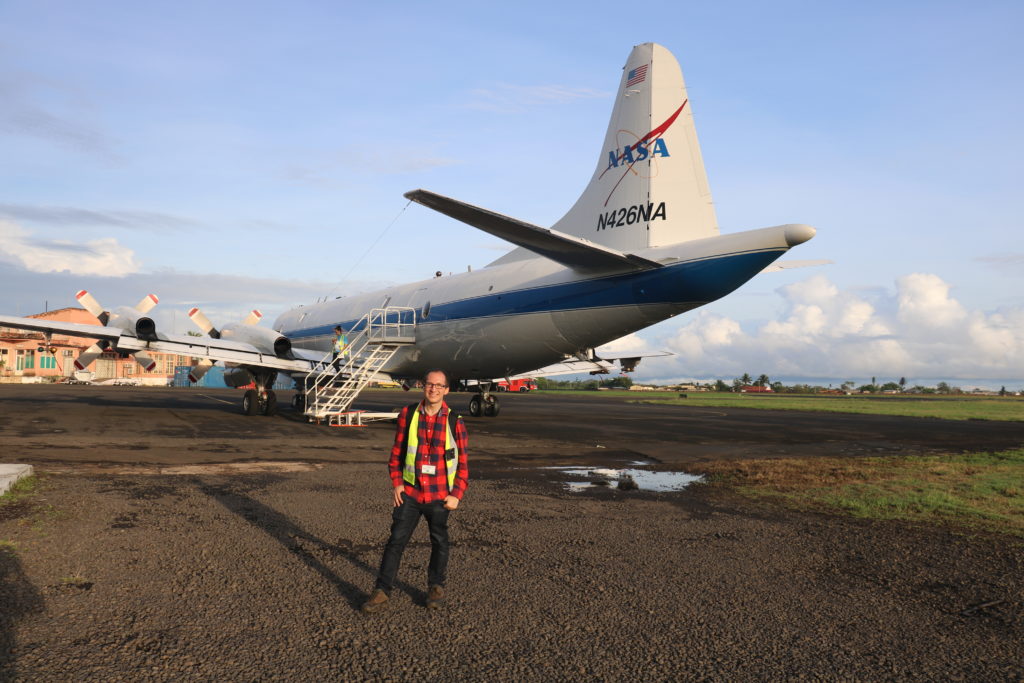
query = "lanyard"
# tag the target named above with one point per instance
(433, 430)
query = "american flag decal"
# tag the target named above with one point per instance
(637, 75)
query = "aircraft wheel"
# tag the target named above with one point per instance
(250, 402)
(476, 406)
(270, 405)
(492, 407)
(298, 401)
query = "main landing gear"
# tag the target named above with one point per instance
(255, 403)
(262, 400)
(484, 403)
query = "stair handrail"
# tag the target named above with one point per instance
(380, 326)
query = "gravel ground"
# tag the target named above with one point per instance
(259, 577)
(168, 541)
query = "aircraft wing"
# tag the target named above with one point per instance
(598, 365)
(185, 345)
(53, 326)
(573, 252)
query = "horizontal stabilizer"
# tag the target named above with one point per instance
(599, 364)
(574, 252)
(787, 265)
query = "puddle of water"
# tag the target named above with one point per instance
(645, 480)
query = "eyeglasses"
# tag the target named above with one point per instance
(431, 385)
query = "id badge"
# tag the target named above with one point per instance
(428, 469)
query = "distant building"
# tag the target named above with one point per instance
(25, 355)
(754, 389)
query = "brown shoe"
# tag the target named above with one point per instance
(435, 596)
(377, 601)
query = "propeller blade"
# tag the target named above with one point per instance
(147, 304)
(143, 359)
(197, 371)
(253, 318)
(87, 357)
(89, 303)
(203, 323)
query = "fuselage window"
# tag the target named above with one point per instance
(426, 311)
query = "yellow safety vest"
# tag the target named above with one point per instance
(341, 345)
(412, 438)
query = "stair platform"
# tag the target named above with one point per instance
(357, 418)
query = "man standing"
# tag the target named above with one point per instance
(429, 475)
(340, 347)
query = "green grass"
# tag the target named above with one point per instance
(944, 407)
(973, 491)
(21, 489)
(32, 511)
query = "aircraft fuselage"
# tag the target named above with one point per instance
(515, 317)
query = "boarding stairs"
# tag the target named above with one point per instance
(373, 341)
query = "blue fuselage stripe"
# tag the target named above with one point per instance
(690, 282)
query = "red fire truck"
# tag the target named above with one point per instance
(520, 385)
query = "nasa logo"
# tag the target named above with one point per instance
(638, 152)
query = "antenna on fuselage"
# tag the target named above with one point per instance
(368, 250)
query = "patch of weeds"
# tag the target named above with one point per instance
(20, 490)
(978, 491)
(22, 502)
(75, 582)
(17, 501)
(8, 547)
(41, 516)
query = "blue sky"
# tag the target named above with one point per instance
(234, 155)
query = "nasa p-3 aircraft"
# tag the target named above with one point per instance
(640, 245)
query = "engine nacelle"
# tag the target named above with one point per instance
(266, 340)
(237, 377)
(131, 320)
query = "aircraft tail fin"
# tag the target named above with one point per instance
(649, 188)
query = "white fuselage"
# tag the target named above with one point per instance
(515, 317)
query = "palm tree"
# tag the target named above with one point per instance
(745, 379)
(763, 381)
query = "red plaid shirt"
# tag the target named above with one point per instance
(430, 451)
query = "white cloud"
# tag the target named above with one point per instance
(918, 330)
(33, 106)
(104, 257)
(74, 217)
(627, 344)
(505, 97)
(1011, 261)
(924, 301)
(337, 168)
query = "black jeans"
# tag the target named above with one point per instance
(404, 519)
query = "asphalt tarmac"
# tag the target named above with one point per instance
(92, 424)
(173, 538)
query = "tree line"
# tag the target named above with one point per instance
(744, 381)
